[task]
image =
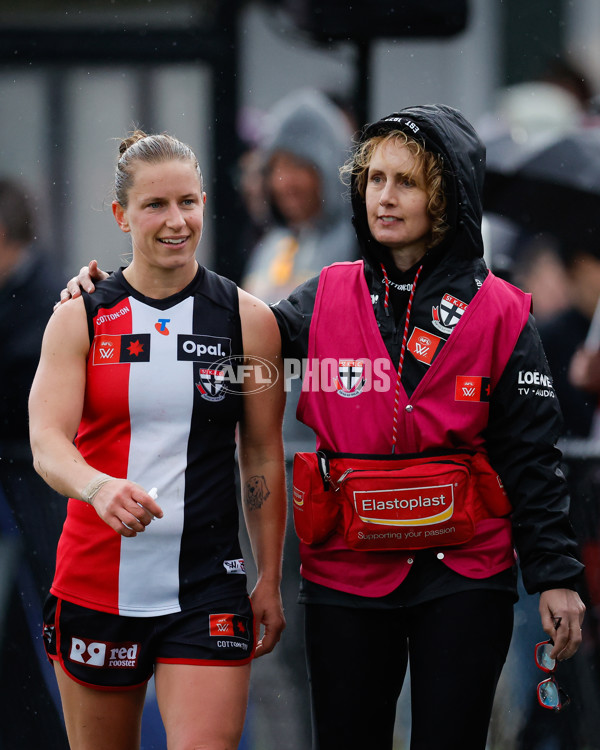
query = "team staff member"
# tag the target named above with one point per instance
(147, 583)
(424, 299)
(460, 345)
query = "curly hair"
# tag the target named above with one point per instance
(427, 164)
(151, 149)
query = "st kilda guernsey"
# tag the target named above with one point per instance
(159, 411)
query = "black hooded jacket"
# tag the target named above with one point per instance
(524, 419)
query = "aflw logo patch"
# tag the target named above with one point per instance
(115, 349)
(234, 626)
(472, 388)
(423, 345)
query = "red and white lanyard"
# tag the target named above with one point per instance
(402, 349)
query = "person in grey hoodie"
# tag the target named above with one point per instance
(306, 141)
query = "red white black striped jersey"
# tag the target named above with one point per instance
(157, 411)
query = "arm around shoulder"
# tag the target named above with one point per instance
(84, 280)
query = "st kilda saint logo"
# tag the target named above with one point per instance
(211, 383)
(351, 377)
(447, 314)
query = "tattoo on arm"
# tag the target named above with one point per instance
(256, 492)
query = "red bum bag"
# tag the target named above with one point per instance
(394, 502)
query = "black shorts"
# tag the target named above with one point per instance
(115, 652)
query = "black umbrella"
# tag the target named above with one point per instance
(549, 185)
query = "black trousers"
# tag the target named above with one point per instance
(32, 515)
(357, 660)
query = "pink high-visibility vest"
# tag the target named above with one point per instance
(348, 397)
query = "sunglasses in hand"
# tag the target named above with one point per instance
(550, 694)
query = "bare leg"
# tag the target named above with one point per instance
(100, 719)
(202, 707)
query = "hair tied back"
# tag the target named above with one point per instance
(127, 142)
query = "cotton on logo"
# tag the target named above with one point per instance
(90, 653)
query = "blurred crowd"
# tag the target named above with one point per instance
(294, 221)
(542, 188)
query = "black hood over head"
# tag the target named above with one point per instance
(445, 131)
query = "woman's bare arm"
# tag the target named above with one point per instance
(55, 408)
